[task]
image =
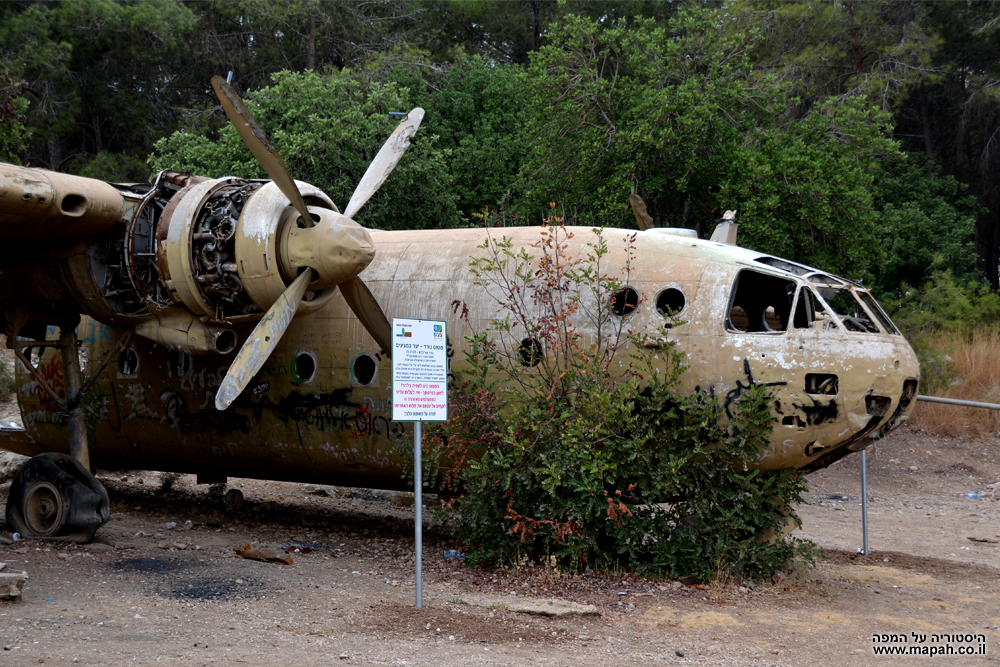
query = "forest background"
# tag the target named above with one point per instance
(862, 137)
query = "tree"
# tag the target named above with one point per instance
(673, 113)
(13, 134)
(934, 66)
(328, 127)
(928, 221)
(96, 76)
(474, 108)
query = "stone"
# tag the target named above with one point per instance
(99, 546)
(179, 545)
(538, 607)
(10, 463)
(233, 501)
(62, 555)
(11, 584)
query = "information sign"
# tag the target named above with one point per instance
(419, 370)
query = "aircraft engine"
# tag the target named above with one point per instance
(183, 258)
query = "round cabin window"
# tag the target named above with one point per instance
(128, 362)
(304, 367)
(363, 369)
(529, 352)
(739, 319)
(624, 301)
(179, 362)
(670, 301)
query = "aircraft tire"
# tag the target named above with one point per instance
(53, 497)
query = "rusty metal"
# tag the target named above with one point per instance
(180, 330)
(331, 427)
(642, 217)
(78, 447)
(123, 339)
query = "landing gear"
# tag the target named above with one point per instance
(54, 497)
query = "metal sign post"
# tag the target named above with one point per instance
(418, 497)
(864, 501)
(419, 394)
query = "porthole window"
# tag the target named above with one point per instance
(624, 301)
(179, 363)
(363, 369)
(304, 367)
(670, 301)
(529, 352)
(128, 362)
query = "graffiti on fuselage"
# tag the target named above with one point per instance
(189, 405)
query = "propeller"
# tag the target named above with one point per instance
(332, 248)
(263, 150)
(386, 160)
(262, 341)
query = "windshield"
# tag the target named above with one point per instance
(848, 309)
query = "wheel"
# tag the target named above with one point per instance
(54, 497)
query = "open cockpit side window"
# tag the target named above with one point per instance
(760, 303)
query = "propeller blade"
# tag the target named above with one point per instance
(383, 164)
(263, 150)
(643, 219)
(363, 303)
(262, 341)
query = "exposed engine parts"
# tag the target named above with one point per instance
(196, 252)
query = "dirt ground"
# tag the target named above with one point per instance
(146, 593)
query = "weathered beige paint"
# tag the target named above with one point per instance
(39, 205)
(330, 428)
(178, 329)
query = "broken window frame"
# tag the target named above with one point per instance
(734, 290)
(881, 318)
(820, 281)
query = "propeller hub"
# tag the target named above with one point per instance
(335, 247)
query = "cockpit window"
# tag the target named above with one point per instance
(784, 265)
(760, 303)
(879, 313)
(848, 309)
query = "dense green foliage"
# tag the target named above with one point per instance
(595, 467)
(795, 114)
(928, 221)
(13, 133)
(329, 127)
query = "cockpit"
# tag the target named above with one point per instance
(769, 304)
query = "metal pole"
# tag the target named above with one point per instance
(78, 448)
(955, 401)
(418, 501)
(864, 500)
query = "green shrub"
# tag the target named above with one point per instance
(574, 463)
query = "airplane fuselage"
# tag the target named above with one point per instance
(320, 409)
